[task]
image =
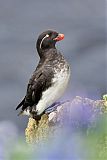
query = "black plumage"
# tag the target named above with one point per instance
(42, 77)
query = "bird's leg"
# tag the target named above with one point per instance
(37, 118)
(34, 114)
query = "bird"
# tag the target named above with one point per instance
(50, 78)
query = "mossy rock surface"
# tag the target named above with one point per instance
(77, 113)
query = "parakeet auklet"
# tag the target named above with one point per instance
(49, 81)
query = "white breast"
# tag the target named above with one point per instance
(54, 92)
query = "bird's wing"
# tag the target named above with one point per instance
(20, 104)
(40, 81)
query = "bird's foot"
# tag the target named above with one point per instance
(35, 116)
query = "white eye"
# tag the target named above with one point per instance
(47, 35)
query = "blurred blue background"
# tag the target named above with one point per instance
(21, 21)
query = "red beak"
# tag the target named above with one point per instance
(59, 37)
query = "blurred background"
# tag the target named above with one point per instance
(84, 25)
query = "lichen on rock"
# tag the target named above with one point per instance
(79, 112)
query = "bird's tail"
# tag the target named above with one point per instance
(20, 104)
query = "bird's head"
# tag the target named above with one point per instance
(47, 40)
